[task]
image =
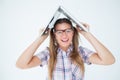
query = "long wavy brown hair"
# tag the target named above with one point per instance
(74, 55)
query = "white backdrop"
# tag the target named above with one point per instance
(20, 21)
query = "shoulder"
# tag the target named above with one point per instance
(45, 50)
(85, 54)
(81, 49)
(43, 53)
(85, 51)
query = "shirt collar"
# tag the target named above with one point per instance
(63, 53)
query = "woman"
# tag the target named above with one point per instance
(64, 57)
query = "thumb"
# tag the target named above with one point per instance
(41, 30)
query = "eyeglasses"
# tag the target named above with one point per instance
(60, 32)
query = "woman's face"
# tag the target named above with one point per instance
(63, 34)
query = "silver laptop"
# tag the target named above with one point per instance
(59, 11)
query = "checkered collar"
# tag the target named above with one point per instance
(64, 53)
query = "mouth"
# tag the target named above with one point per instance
(65, 40)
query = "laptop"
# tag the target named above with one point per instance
(58, 12)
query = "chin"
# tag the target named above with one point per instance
(65, 45)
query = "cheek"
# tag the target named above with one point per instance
(57, 39)
(71, 37)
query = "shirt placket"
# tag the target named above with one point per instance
(66, 66)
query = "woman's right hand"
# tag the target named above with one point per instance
(44, 36)
(27, 58)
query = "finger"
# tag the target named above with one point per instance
(41, 30)
(78, 28)
(86, 25)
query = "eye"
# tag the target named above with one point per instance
(69, 30)
(59, 32)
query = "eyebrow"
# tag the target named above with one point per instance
(62, 29)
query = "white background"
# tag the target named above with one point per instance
(20, 21)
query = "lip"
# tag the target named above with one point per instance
(65, 40)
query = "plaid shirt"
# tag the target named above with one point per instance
(65, 69)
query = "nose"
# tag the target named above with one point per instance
(64, 34)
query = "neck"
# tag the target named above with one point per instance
(64, 48)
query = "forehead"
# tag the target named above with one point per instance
(62, 26)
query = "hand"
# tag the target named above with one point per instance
(85, 25)
(44, 36)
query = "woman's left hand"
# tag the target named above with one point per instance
(87, 26)
(103, 56)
